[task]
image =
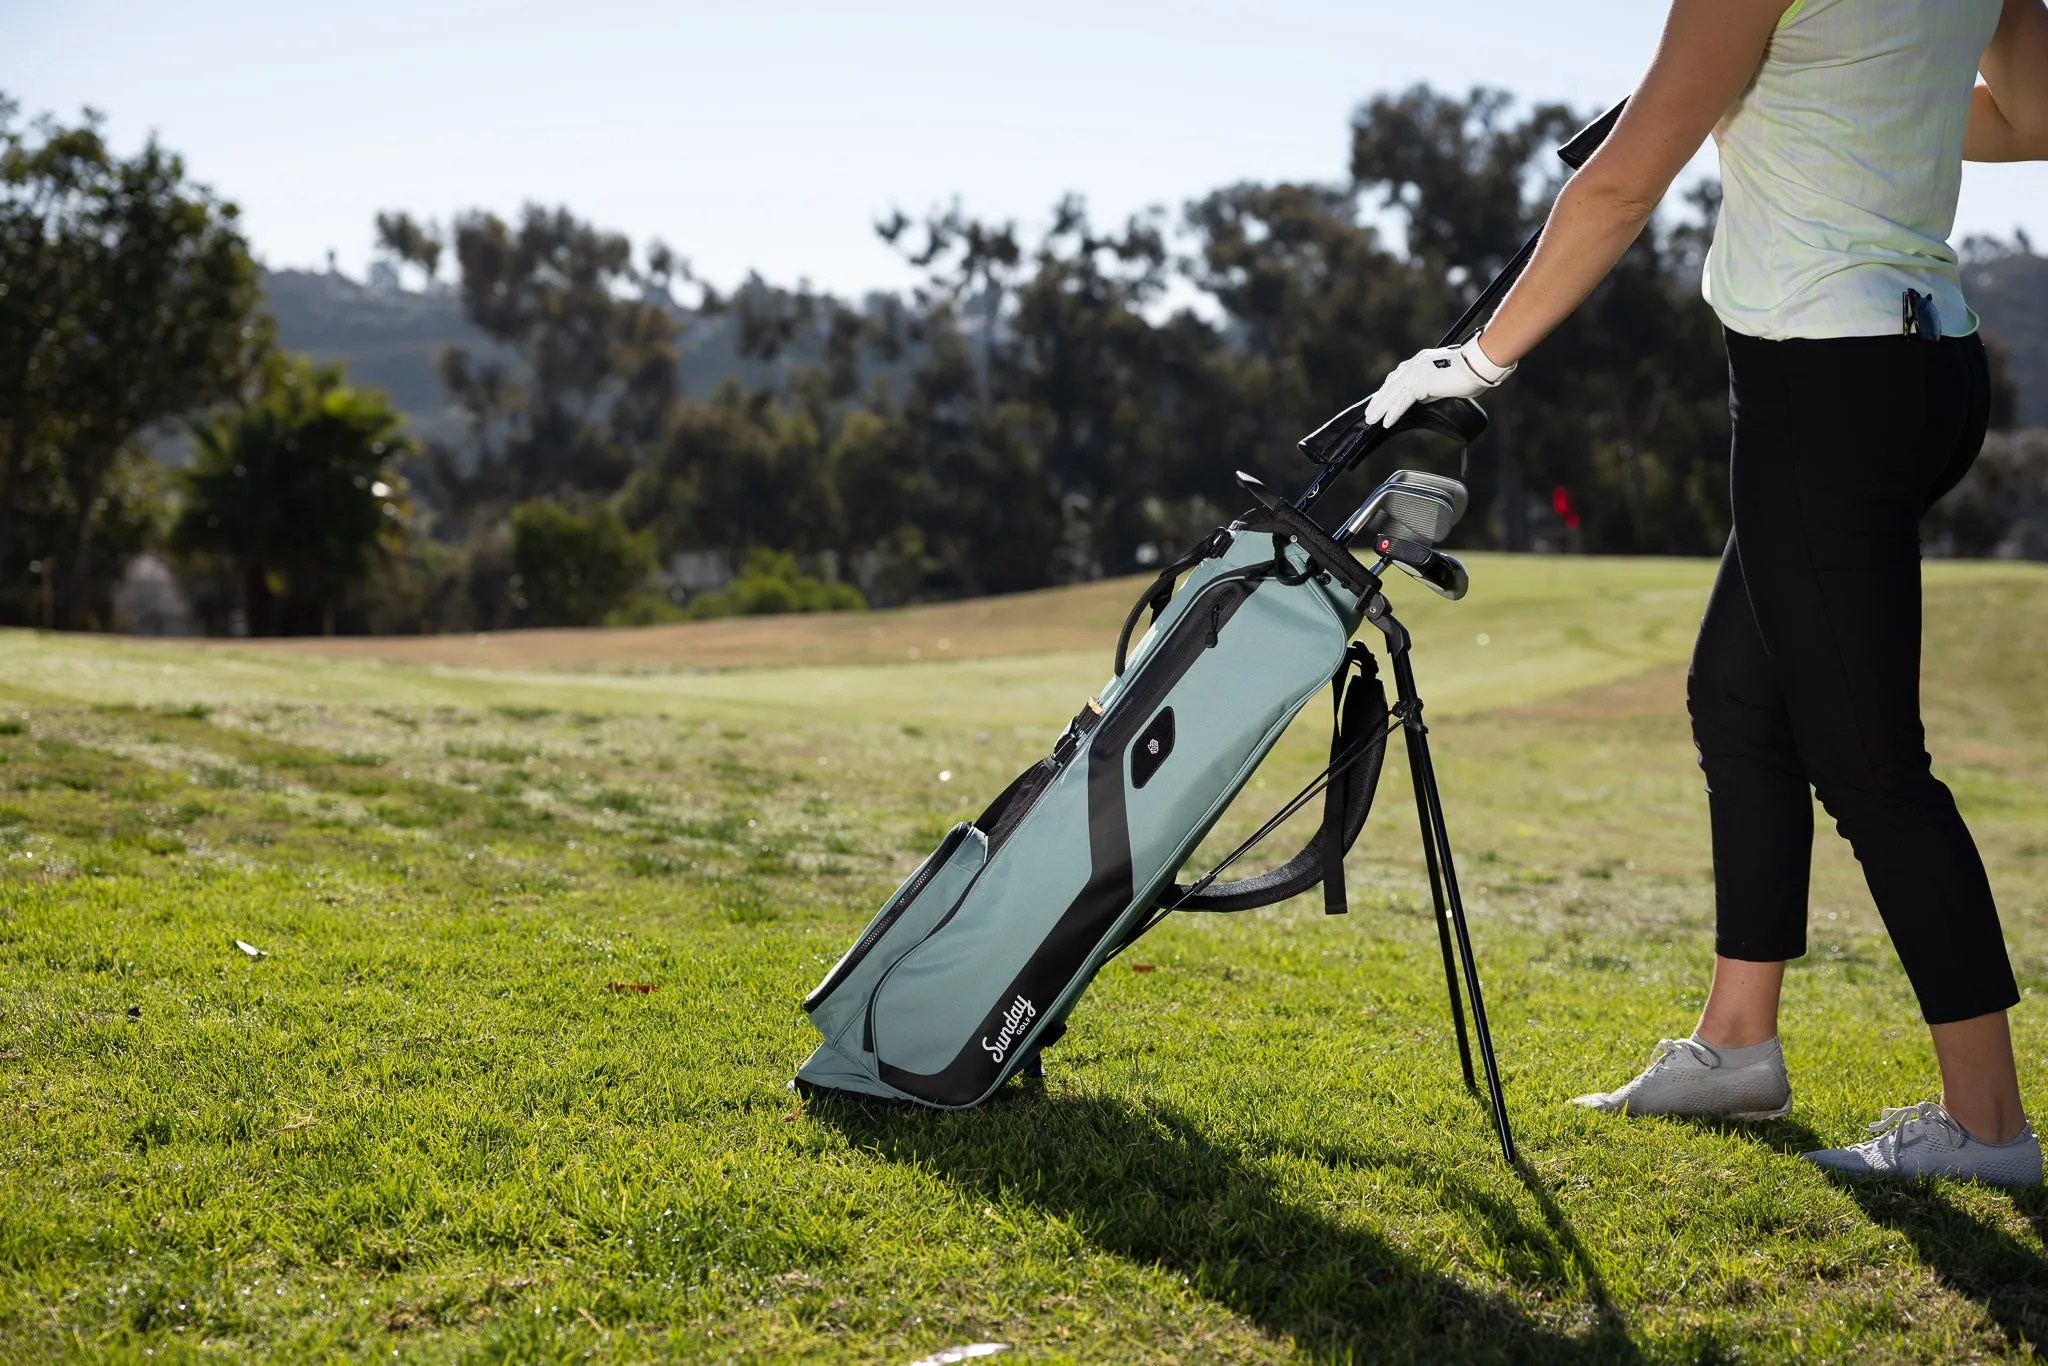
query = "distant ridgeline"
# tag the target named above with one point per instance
(388, 338)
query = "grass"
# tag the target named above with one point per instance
(440, 1119)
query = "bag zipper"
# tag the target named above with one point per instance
(889, 916)
(1199, 631)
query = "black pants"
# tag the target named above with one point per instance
(1807, 670)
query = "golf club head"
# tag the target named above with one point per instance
(1411, 504)
(1441, 486)
(1443, 575)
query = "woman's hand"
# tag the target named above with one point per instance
(1440, 372)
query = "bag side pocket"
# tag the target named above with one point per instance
(924, 899)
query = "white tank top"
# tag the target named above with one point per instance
(1840, 167)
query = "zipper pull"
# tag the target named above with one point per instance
(1215, 623)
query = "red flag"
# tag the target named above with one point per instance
(1561, 504)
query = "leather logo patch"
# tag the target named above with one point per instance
(1152, 747)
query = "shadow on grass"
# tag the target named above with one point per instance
(1786, 1136)
(1973, 1256)
(1149, 1185)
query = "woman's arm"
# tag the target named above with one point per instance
(2009, 112)
(1709, 52)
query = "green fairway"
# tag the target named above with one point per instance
(504, 1077)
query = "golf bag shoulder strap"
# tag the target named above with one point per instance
(1161, 590)
(1358, 747)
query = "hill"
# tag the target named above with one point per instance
(388, 337)
(2009, 290)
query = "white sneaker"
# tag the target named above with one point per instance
(1924, 1140)
(1688, 1077)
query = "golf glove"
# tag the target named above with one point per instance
(1439, 372)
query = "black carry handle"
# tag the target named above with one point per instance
(1161, 590)
(1344, 441)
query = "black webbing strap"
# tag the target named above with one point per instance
(1347, 716)
(1358, 744)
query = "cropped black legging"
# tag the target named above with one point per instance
(1807, 670)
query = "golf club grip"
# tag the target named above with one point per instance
(1580, 148)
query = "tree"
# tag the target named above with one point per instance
(130, 301)
(1468, 184)
(583, 392)
(1062, 428)
(296, 493)
(1046, 411)
(768, 583)
(412, 243)
(1317, 306)
(573, 568)
(963, 258)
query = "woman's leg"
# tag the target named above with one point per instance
(1742, 1004)
(1759, 803)
(1828, 486)
(1762, 816)
(1980, 1086)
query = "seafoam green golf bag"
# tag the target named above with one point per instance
(972, 966)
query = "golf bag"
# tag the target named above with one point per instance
(972, 967)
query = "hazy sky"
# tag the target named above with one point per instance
(769, 136)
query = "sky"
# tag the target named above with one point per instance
(770, 136)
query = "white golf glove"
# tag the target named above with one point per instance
(1439, 372)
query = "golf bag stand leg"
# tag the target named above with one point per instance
(1443, 874)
